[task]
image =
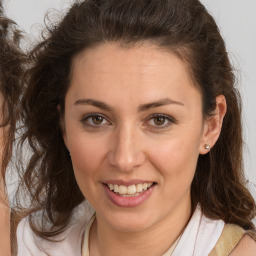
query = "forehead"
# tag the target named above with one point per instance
(144, 71)
(144, 56)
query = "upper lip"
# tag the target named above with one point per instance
(127, 182)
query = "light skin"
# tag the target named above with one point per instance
(133, 114)
(4, 209)
(246, 246)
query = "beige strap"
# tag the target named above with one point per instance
(230, 237)
(252, 234)
(85, 242)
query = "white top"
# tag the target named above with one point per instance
(198, 239)
(70, 241)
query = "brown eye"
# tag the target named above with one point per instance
(159, 120)
(97, 120)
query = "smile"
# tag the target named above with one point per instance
(131, 190)
(128, 194)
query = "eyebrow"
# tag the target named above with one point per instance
(159, 103)
(96, 103)
(143, 107)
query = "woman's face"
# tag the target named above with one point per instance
(133, 123)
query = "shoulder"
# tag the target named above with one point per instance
(235, 241)
(25, 240)
(246, 246)
(67, 243)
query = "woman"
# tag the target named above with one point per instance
(10, 88)
(131, 105)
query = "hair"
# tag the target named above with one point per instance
(11, 70)
(12, 63)
(183, 27)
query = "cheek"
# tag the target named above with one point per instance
(176, 151)
(176, 160)
(87, 156)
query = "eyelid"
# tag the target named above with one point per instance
(86, 117)
(168, 118)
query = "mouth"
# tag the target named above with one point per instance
(131, 190)
(129, 193)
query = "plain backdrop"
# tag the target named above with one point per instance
(237, 22)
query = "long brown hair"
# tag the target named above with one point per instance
(12, 64)
(12, 61)
(183, 27)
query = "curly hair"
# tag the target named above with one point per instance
(12, 62)
(183, 27)
(11, 71)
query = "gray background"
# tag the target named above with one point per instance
(237, 22)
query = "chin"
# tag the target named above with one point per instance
(131, 222)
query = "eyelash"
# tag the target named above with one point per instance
(87, 117)
(168, 119)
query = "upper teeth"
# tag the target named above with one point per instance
(129, 190)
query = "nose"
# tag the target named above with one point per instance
(126, 152)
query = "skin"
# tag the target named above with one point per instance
(129, 143)
(4, 223)
(247, 246)
(4, 209)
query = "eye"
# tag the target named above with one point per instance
(160, 121)
(95, 120)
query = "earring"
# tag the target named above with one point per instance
(206, 146)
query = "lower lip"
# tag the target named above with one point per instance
(131, 201)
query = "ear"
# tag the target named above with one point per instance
(213, 125)
(63, 128)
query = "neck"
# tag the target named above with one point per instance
(156, 240)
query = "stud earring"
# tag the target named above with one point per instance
(206, 146)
